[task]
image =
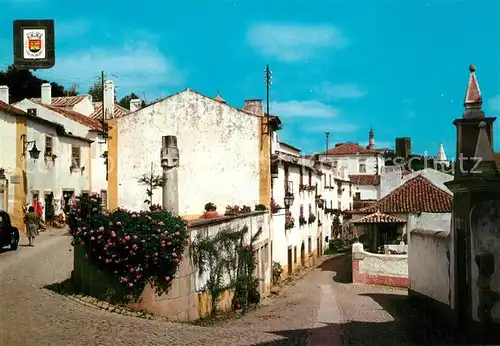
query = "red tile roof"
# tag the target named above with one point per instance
(97, 114)
(416, 195)
(349, 149)
(19, 112)
(77, 117)
(365, 179)
(378, 217)
(11, 109)
(63, 101)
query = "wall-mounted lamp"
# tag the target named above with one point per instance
(289, 198)
(34, 152)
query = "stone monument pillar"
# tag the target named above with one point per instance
(170, 165)
(475, 242)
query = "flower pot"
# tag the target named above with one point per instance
(210, 214)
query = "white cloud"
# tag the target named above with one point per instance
(306, 109)
(494, 103)
(332, 127)
(343, 91)
(294, 42)
(133, 67)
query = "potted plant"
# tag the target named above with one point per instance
(302, 220)
(311, 218)
(289, 221)
(260, 207)
(275, 207)
(232, 210)
(246, 209)
(210, 211)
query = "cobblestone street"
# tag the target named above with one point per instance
(309, 311)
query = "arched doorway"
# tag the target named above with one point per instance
(303, 255)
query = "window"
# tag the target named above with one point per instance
(76, 157)
(357, 195)
(330, 176)
(301, 210)
(301, 177)
(362, 166)
(287, 175)
(310, 208)
(104, 198)
(340, 205)
(310, 178)
(49, 145)
(309, 245)
(295, 255)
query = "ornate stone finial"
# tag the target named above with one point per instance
(473, 98)
(484, 150)
(219, 98)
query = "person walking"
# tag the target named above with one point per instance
(32, 222)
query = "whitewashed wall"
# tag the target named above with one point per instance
(55, 175)
(297, 235)
(8, 156)
(218, 148)
(368, 192)
(429, 265)
(253, 221)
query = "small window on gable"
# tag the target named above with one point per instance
(49, 145)
(76, 157)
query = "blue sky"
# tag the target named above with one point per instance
(400, 67)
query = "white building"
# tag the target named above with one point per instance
(363, 165)
(317, 190)
(215, 142)
(63, 163)
(76, 124)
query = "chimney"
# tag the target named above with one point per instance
(4, 93)
(371, 140)
(46, 94)
(254, 107)
(109, 100)
(135, 105)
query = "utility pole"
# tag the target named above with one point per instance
(326, 151)
(268, 82)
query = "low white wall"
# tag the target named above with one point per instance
(370, 268)
(428, 264)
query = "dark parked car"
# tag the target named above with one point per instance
(9, 235)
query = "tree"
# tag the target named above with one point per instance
(125, 101)
(96, 89)
(24, 84)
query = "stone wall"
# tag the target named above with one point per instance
(186, 300)
(429, 265)
(370, 268)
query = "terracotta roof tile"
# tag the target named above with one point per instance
(63, 101)
(75, 116)
(11, 109)
(416, 195)
(378, 217)
(365, 179)
(97, 114)
(349, 149)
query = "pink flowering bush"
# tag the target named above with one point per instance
(135, 247)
